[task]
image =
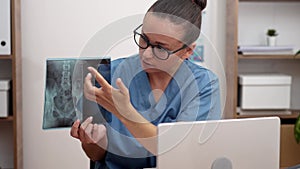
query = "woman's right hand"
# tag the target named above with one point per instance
(89, 133)
(92, 136)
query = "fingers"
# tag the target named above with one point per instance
(100, 130)
(74, 129)
(99, 135)
(89, 91)
(96, 133)
(121, 86)
(86, 123)
(100, 79)
(89, 133)
(82, 130)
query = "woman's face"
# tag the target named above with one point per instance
(164, 33)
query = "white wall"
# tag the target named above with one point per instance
(61, 28)
(256, 18)
(58, 28)
(214, 31)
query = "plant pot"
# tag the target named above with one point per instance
(271, 40)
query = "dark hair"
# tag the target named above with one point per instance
(190, 12)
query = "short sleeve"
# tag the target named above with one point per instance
(205, 103)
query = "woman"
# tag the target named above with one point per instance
(156, 86)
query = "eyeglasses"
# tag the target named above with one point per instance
(160, 52)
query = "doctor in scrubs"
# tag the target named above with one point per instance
(157, 85)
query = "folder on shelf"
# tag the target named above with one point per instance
(5, 28)
(265, 50)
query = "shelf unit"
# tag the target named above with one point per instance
(233, 60)
(14, 121)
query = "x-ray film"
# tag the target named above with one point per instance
(64, 99)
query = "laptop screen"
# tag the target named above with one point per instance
(233, 143)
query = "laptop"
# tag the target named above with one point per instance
(250, 143)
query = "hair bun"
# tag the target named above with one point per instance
(200, 3)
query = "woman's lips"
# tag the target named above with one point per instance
(146, 63)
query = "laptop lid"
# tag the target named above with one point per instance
(223, 144)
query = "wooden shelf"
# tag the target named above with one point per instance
(268, 57)
(5, 119)
(5, 57)
(294, 115)
(269, 0)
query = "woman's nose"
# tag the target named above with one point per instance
(148, 52)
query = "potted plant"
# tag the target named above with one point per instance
(271, 37)
(297, 53)
(297, 129)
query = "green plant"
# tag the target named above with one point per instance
(297, 53)
(297, 129)
(272, 32)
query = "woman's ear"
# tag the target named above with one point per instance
(189, 50)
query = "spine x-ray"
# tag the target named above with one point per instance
(64, 98)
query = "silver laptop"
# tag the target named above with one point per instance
(251, 143)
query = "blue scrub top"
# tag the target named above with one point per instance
(192, 95)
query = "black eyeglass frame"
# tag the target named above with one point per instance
(153, 46)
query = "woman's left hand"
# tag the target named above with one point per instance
(116, 101)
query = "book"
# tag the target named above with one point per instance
(64, 99)
(265, 50)
(264, 112)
